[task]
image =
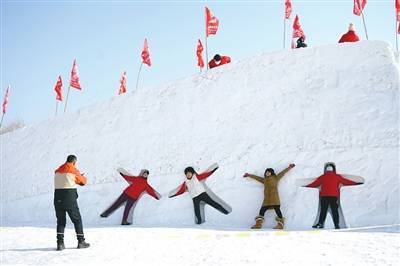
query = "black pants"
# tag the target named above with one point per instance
(203, 197)
(122, 198)
(277, 209)
(325, 203)
(65, 202)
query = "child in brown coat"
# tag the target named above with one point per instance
(271, 196)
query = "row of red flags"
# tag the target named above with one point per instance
(212, 24)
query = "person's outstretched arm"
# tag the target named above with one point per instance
(178, 191)
(284, 172)
(255, 177)
(210, 170)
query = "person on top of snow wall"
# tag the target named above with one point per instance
(66, 179)
(271, 196)
(137, 186)
(330, 183)
(219, 61)
(200, 193)
(301, 43)
(350, 36)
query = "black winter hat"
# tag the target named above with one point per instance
(190, 170)
(269, 170)
(217, 57)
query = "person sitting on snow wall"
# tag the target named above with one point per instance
(301, 43)
(137, 186)
(271, 196)
(200, 193)
(330, 184)
(350, 36)
(219, 61)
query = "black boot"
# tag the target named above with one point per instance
(103, 215)
(337, 226)
(83, 244)
(60, 245)
(125, 222)
(318, 225)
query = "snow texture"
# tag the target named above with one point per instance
(335, 103)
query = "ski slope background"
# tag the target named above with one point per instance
(335, 103)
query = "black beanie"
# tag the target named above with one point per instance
(217, 57)
(189, 169)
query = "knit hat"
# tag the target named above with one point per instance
(331, 166)
(217, 57)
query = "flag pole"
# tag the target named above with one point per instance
(2, 117)
(362, 15)
(284, 31)
(56, 107)
(66, 100)
(137, 80)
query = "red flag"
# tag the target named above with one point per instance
(122, 87)
(146, 53)
(288, 8)
(398, 9)
(297, 30)
(211, 23)
(5, 101)
(359, 6)
(74, 83)
(58, 89)
(199, 53)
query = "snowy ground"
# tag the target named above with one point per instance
(186, 246)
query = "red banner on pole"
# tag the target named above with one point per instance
(359, 6)
(146, 53)
(288, 8)
(212, 23)
(74, 83)
(122, 87)
(5, 101)
(58, 89)
(199, 53)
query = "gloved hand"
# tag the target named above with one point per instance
(291, 165)
(246, 175)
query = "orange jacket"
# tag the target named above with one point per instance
(69, 168)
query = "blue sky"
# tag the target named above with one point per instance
(40, 39)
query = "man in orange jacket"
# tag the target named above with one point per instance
(66, 179)
(219, 61)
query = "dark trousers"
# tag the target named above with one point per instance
(122, 198)
(203, 197)
(65, 202)
(325, 203)
(277, 209)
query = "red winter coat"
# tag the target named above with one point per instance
(138, 185)
(224, 60)
(330, 184)
(350, 36)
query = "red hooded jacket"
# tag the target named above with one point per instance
(224, 60)
(138, 185)
(330, 184)
(350, 36)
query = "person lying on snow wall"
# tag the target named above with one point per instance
(271, 196)
(137, 186)
(200, 193)
(301, 42)
(330, 183)
(66, 179)
(350, 36)
(219, 61)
